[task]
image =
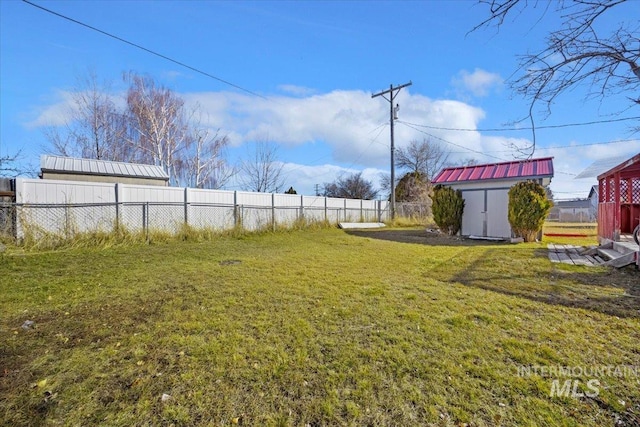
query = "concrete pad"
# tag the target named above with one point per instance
(359, 225)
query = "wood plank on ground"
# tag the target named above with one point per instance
(579, 260)
(592, 259)
(564, 258)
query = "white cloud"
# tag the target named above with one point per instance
(570, 161)
(56, 114)
(479, 83)
(350, 122)
(355, 127)
(296, 90)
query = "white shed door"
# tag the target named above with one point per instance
(473, 216)
(498, 213)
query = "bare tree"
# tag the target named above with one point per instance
(203, 164)
(157, 117)
(422, 157)
(353, 186)
(262, 171)
(95, 128)
(155, 128)
(582, 52)
(9, 165)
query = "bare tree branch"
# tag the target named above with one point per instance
(583, 52)
(422, 157)
(262, 171)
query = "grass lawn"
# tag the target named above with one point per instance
(314, 328)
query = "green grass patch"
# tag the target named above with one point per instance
(316, 327)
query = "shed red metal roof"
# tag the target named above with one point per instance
(533, 168)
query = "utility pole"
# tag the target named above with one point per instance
(393, 115)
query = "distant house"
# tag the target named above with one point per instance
(77, 169)
(485, 190)
(578, 210)
(593, 201)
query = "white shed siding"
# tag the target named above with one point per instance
(473, 217)
(486, 211)
(498, 213)
(486, 208)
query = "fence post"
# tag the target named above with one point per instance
(301, 207)
(379, 210)
(345, 209)
(186, 206)
(326, 217)
(235, 208)
(361, 211)
(145, 220)
(117, 224)
(273, 211)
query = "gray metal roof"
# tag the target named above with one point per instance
(73, 165)
(579, 203)
(600, 166)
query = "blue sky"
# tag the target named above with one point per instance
(317, 64)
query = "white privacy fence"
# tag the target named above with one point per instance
(70, 207)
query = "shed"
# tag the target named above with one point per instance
(619, 199)
(485, 189)
(92, 170)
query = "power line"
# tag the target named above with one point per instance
(449, 142)
(567, 146)
(470, 149)
(182, 64)
(595, 122)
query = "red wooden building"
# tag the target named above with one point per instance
(619, 199)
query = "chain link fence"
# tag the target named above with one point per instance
(415, 211)
(65, 221)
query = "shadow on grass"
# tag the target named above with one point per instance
(420, 236)
(524, 274)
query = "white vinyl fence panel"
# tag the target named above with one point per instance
(65, 207)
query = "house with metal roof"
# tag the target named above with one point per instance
(485, 189)
(92, 170)
(576, 210)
